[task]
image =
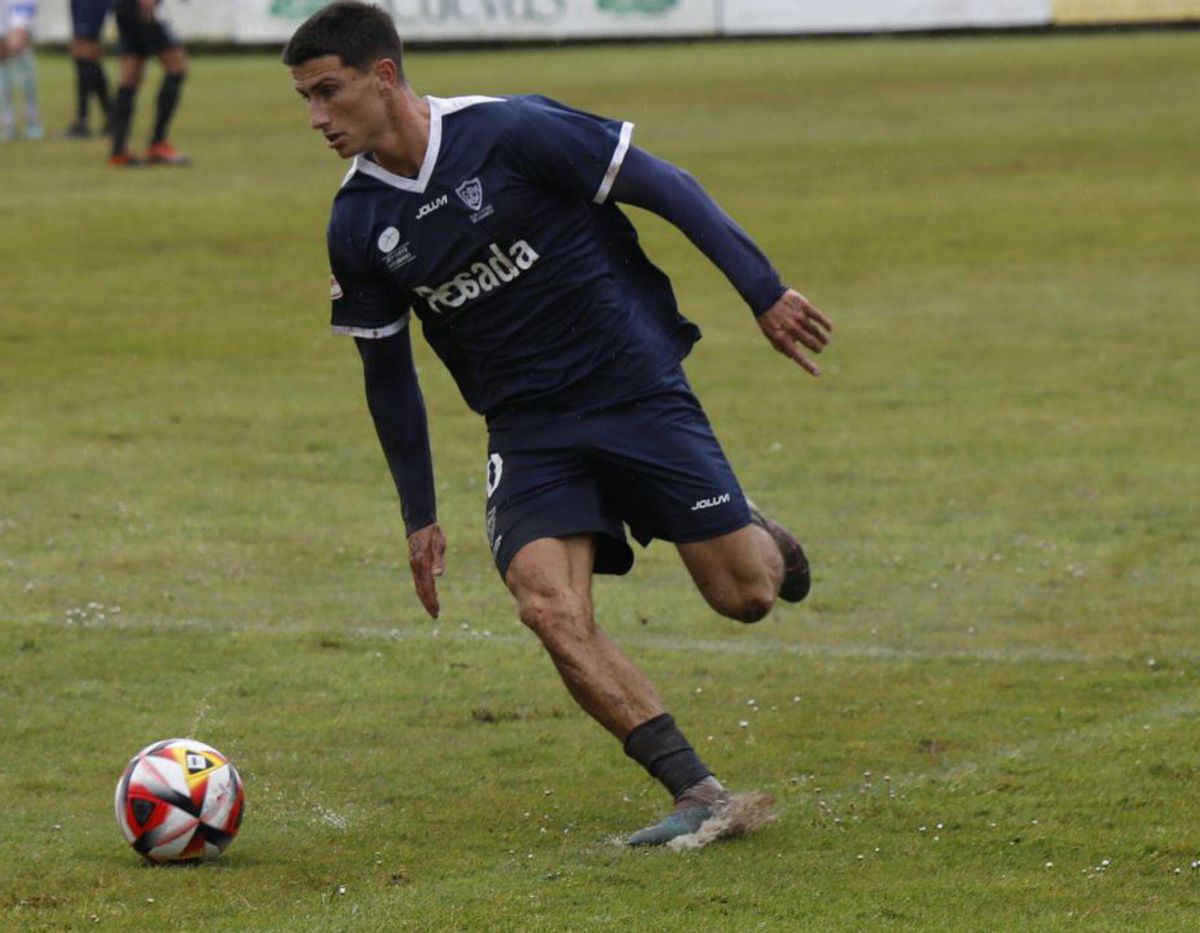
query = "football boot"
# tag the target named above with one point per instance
(695, 805)
(165, 154)
(797, 580)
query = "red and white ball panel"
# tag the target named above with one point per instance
(179, 799)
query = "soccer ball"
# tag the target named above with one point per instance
(179, 800)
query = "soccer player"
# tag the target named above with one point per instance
(87, 21)
(16, 58)
(493, 220)
(143, 34)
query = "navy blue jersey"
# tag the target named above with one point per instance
(530, 286)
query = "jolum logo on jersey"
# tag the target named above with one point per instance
(433, 205)
(483, 276)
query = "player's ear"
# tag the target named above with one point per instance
(385, 73)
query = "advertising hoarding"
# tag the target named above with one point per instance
(467, 20)
(808, 16)
(1080, 12)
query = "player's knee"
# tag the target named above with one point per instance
(754, 604)
(560, 618)
(744, 601)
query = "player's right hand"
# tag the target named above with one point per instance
(792, 322)
(427, 560)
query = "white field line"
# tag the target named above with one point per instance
(1031, 748)
(746, 645)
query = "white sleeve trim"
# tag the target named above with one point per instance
(372, 333)
(615, 165)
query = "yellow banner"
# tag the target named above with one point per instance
(1067, 12)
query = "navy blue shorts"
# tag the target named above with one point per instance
(139, 37)
(87, 18)
(654, 465)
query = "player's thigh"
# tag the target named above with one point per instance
(548, 567)
(551, 580)
(549, 493)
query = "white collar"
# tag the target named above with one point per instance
(437, 108)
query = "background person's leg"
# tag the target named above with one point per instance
(174, 62)
(90, 81)
(7, 119)
(130, 77)
(25, 64)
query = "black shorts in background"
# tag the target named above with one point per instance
(87, 18)
(140, 37)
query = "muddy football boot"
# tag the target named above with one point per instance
(692, 808)
(797, 580)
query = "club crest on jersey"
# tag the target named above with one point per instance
(492, 271)
(471, 192)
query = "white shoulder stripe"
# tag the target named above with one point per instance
(372, 333)
(615, 165)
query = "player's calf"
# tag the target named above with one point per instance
(737, 573)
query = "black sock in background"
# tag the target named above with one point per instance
(121, 118)
(83, 86)
(168, 100)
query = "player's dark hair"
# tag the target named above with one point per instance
(360, 34)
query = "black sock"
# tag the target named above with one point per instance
(100, 89)
(83, 85)
(121, 118)
(168, 100)
(659, 747)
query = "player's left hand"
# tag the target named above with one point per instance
(793, 321)
(427, 560)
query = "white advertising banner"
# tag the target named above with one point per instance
(273, 21)
(466, 20)
(801, 16)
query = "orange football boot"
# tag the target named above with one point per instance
(165, 154)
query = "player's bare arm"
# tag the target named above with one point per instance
(792, 322)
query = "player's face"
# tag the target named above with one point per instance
(344, 104)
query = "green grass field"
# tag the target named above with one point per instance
(987, 716)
